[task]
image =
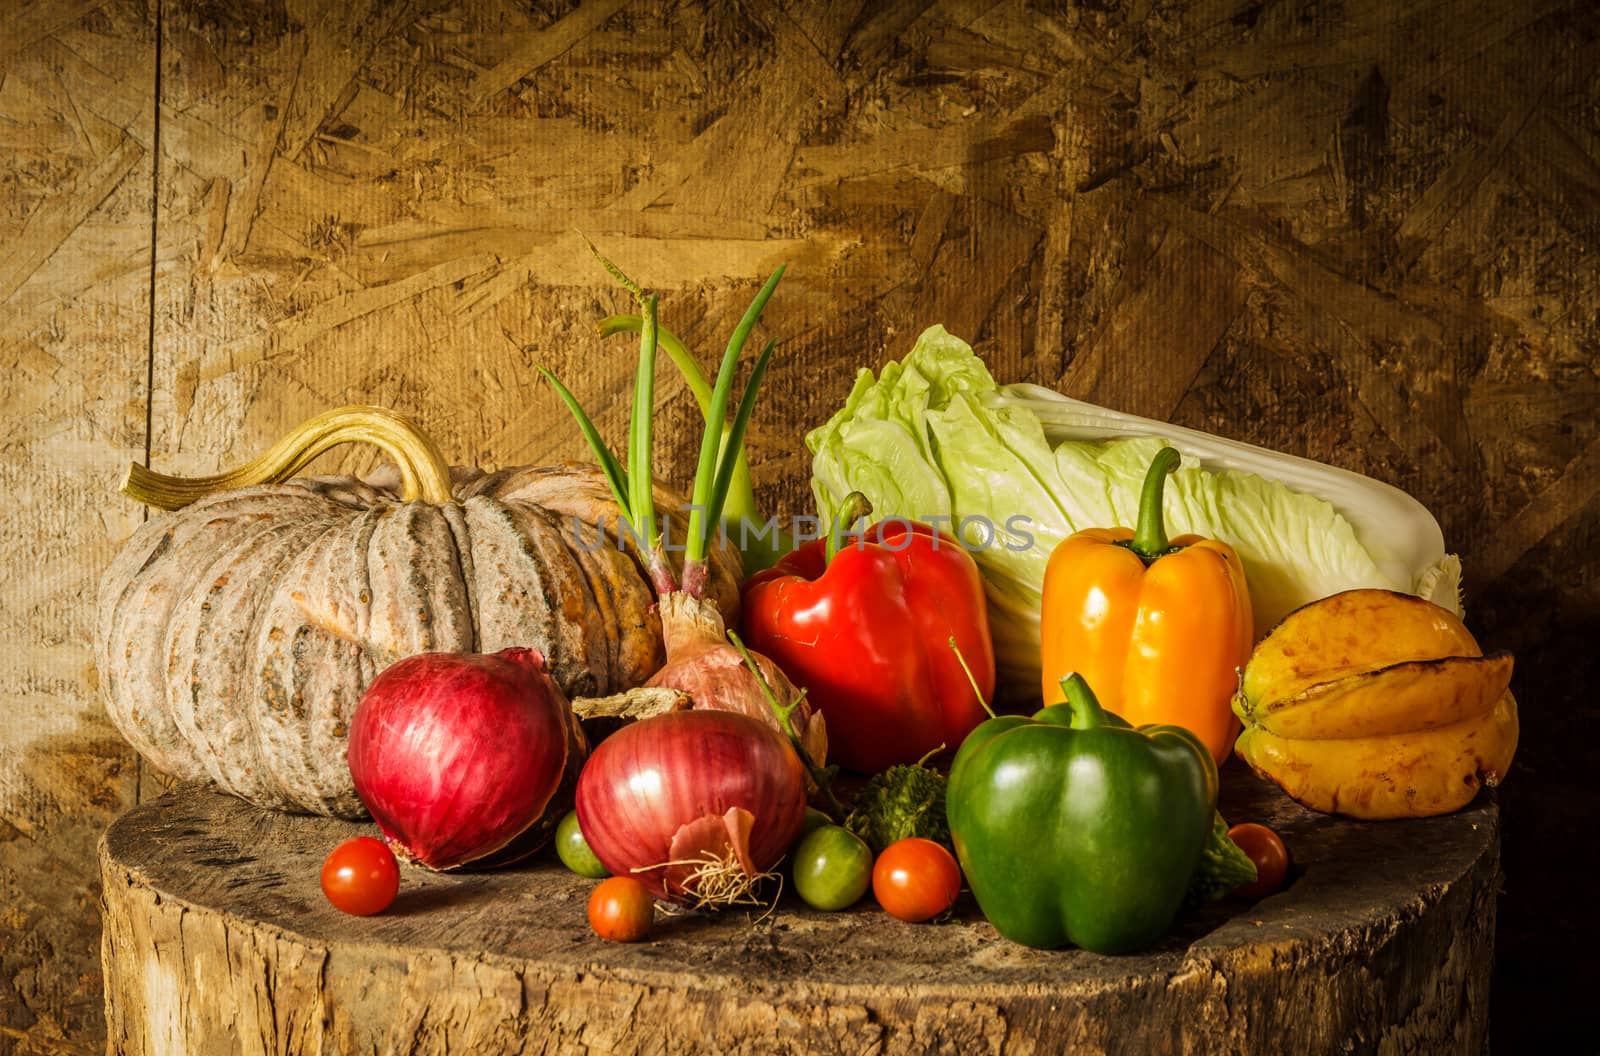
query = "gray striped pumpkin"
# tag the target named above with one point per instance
(238, 633)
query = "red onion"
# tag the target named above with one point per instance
(696, 804)
(459, 756)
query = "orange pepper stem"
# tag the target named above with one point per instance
(1087, 714)
(854, 507)
(1150, 536)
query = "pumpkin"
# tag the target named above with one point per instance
(238, 633)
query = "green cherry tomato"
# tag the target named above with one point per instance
(574, 851)
(814, 818)
(832, 867)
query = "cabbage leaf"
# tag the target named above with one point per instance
(935, 438)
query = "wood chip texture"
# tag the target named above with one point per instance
(1362, 231)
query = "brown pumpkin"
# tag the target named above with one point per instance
(238, 633)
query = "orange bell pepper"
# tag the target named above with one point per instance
(1159, 627)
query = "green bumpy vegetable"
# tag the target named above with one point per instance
(1223, 867)
(901, 801)
(1073, 827)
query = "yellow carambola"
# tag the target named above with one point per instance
(1374, 704)
(1399, 775)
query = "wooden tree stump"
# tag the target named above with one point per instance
(217, 939)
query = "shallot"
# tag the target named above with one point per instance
(699, 661)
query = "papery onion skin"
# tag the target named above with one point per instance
(650, 779)
(459, 756)
(702, 663)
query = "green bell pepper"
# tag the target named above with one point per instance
(1073, 827)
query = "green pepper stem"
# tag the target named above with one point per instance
(1150, 537)
(854, 507)
(1087, 714)
(973, 679)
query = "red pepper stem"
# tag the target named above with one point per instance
(1087, 714)
(854, 507)
(1150, 536)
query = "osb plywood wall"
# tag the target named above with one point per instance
(1365, 231)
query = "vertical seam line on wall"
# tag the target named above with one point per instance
(150, 321)
(155, 207)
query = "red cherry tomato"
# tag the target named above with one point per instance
(1268, 852)
(621, 909)
(915, 879)
(360, 876)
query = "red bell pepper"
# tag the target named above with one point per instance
(867, 633)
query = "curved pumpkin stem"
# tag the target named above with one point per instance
(423, 472)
